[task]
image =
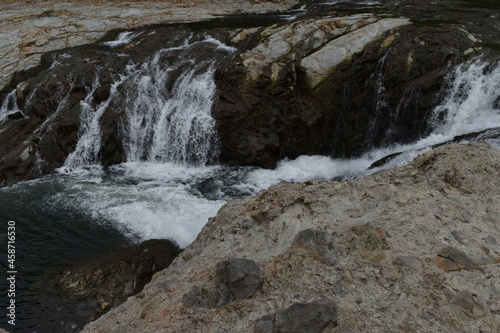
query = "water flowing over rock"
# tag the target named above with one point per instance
(387, 230)
(309, 83)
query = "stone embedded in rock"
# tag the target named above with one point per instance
(318, 65)
(451, 259)
(239, 278)
(265, 324)
(467, 302)
(318, 244)
(307, 317)
(408, 262)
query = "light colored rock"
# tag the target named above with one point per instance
(297, 39)
(28, 30)
(319, 64)
(410, 210)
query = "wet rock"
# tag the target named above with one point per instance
(311, 317)
(106, 282)
(43, 27)
(239, 278)
(451, 259)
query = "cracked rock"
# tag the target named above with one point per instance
(451, 259)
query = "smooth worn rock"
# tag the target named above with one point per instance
(321, 63)
(317, 245)
(410, 262)
(40, 27)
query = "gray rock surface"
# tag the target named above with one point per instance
(386, 230)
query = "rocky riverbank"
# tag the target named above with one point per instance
(420, 241)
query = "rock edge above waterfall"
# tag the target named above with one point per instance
(420, 240)
(39, 27)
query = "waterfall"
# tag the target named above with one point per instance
(173, 125)
(87, 149)
(472, 101)
(9, 106)
(165, 107)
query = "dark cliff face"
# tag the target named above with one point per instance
(379, 96)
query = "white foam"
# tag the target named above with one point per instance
(144, 200)
(122, 39)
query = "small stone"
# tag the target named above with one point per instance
(190, 254)
(265, 324)
(317, 244)
(449, 257)
(425, 315)
(466, 301)
(491, 240)
(239, 278)
(408, 262)
(457, 236)
(104, 306)
(307, 317)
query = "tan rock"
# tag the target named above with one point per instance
(359, 284)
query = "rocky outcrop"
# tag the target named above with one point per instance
(317, 84)
(345, 256)
(335, 85)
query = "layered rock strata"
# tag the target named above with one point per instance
(420, 241)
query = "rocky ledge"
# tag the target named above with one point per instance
(29, 29)
(420, 241)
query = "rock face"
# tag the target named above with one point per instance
(320, 83)
(345, 257)
(336, 85)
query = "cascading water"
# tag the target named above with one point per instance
(9, 106)
(170, 126)
(159, 124)
(471, 104)
(473, 101)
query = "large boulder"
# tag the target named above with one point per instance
(420, 241)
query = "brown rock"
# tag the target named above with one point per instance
(450, 257)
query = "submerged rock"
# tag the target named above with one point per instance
(85, 291)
